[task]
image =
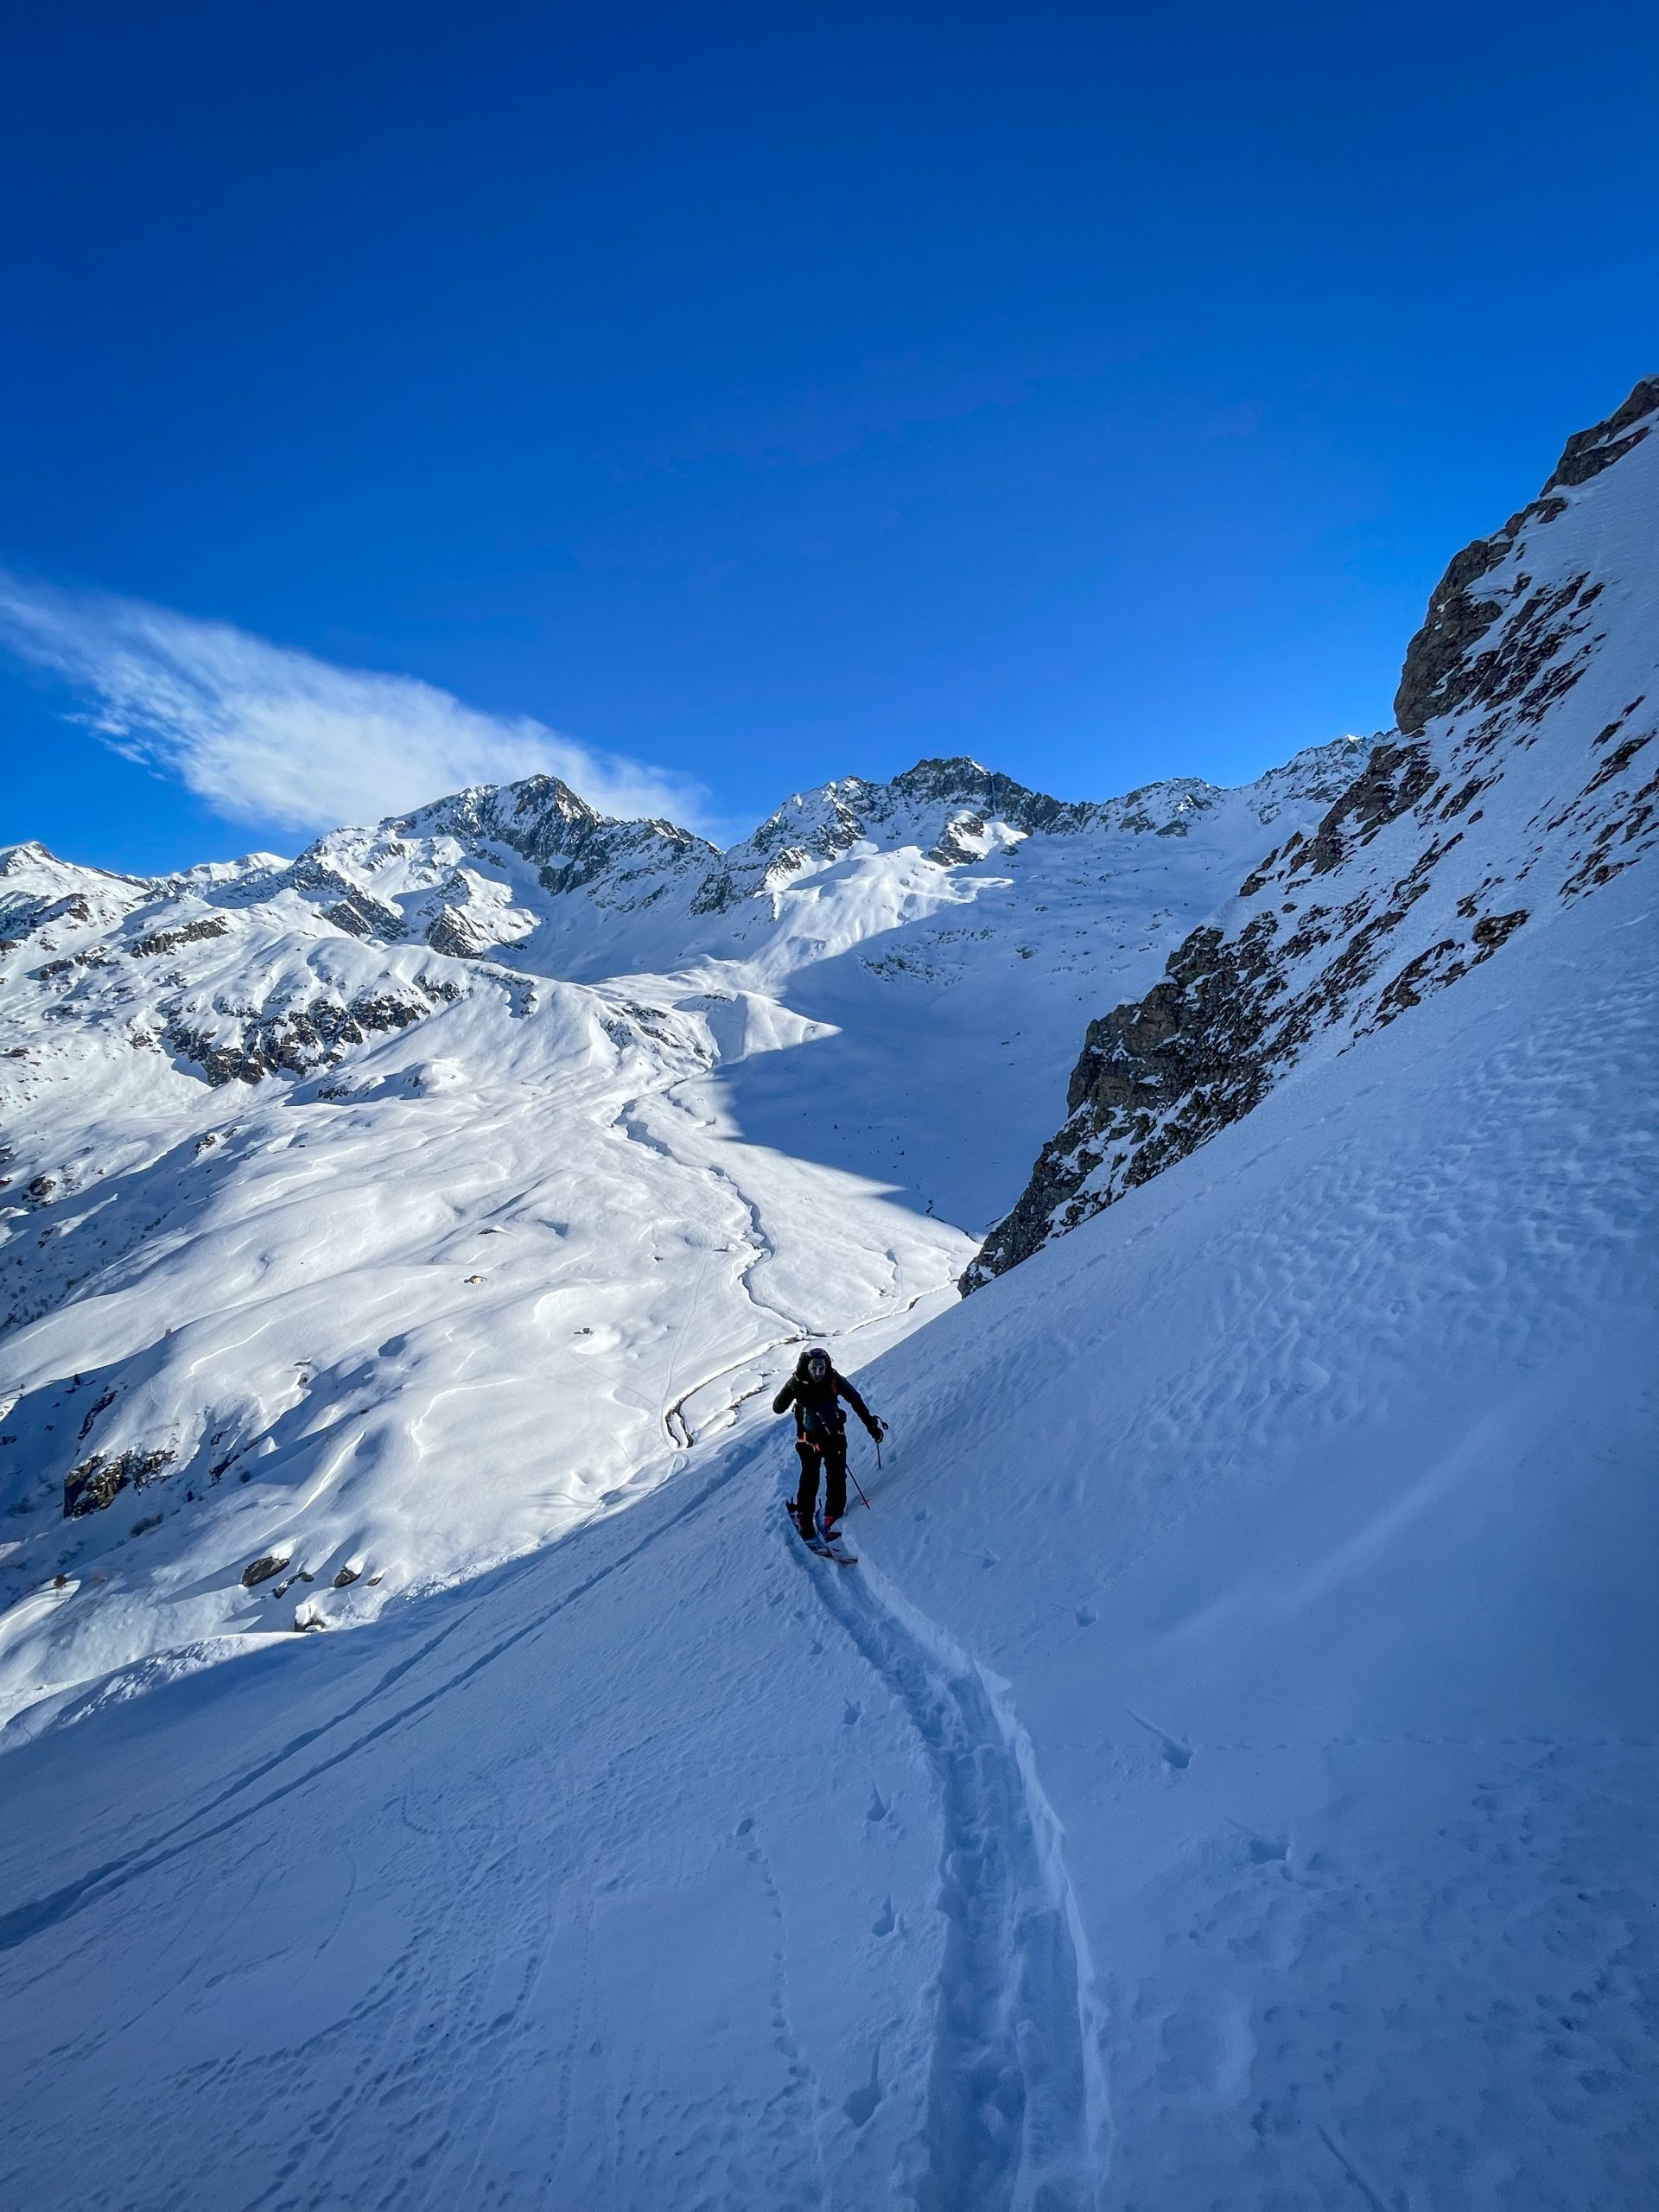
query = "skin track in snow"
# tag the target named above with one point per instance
(1230, 1780)
(1015, 2110)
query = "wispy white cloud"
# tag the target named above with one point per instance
(265, 734)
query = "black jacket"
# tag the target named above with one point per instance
(816, 1413)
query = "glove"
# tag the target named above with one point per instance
(877, 1427)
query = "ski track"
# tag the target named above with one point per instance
(1016, 2118)
(630, 1120)
(630, 1123)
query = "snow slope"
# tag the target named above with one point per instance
(1229, 1779)
(379, 1216)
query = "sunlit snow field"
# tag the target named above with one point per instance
(1230, 1772)
(1228, 1778)
(407, 1318)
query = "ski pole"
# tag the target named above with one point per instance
(858, 1485)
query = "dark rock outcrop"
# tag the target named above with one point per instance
(97, 1481)
(1588, 452)
(1443, 671)
(1393, 780)
(450, 931)
(360, 914)
(296, 1040)
(1325, 937)
(210, 925)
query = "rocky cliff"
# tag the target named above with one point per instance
(1518, 781)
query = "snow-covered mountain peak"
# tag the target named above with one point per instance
(952, 810)
(543, 821)
(956, 811)
(50, 904)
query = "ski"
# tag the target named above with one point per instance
(837, 1546)
(816, 1542)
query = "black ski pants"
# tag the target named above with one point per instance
(831, 1452)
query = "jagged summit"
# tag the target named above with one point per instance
(1447, 665)
(965, 787)
(491, 868)
(539, 817)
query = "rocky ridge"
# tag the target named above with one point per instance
(1518, 781)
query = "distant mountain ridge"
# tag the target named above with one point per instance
(944, 804)
(416, 876)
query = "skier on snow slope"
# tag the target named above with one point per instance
(814, 1390)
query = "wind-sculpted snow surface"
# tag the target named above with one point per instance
(1228, 1780)
(1524, 780)
(375, 1216)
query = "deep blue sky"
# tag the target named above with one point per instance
(776, 393)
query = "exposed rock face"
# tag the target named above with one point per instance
(295, 1040)
(570, 842)
(1522, 711)
(449, 931)
(1394, 777)
(1588, 452)
(97, 1482)
(210, 925)
(360, 914)
(1442, 668)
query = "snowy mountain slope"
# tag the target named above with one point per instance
(378, 1215)
(1230, 1778)
(1520, 779)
